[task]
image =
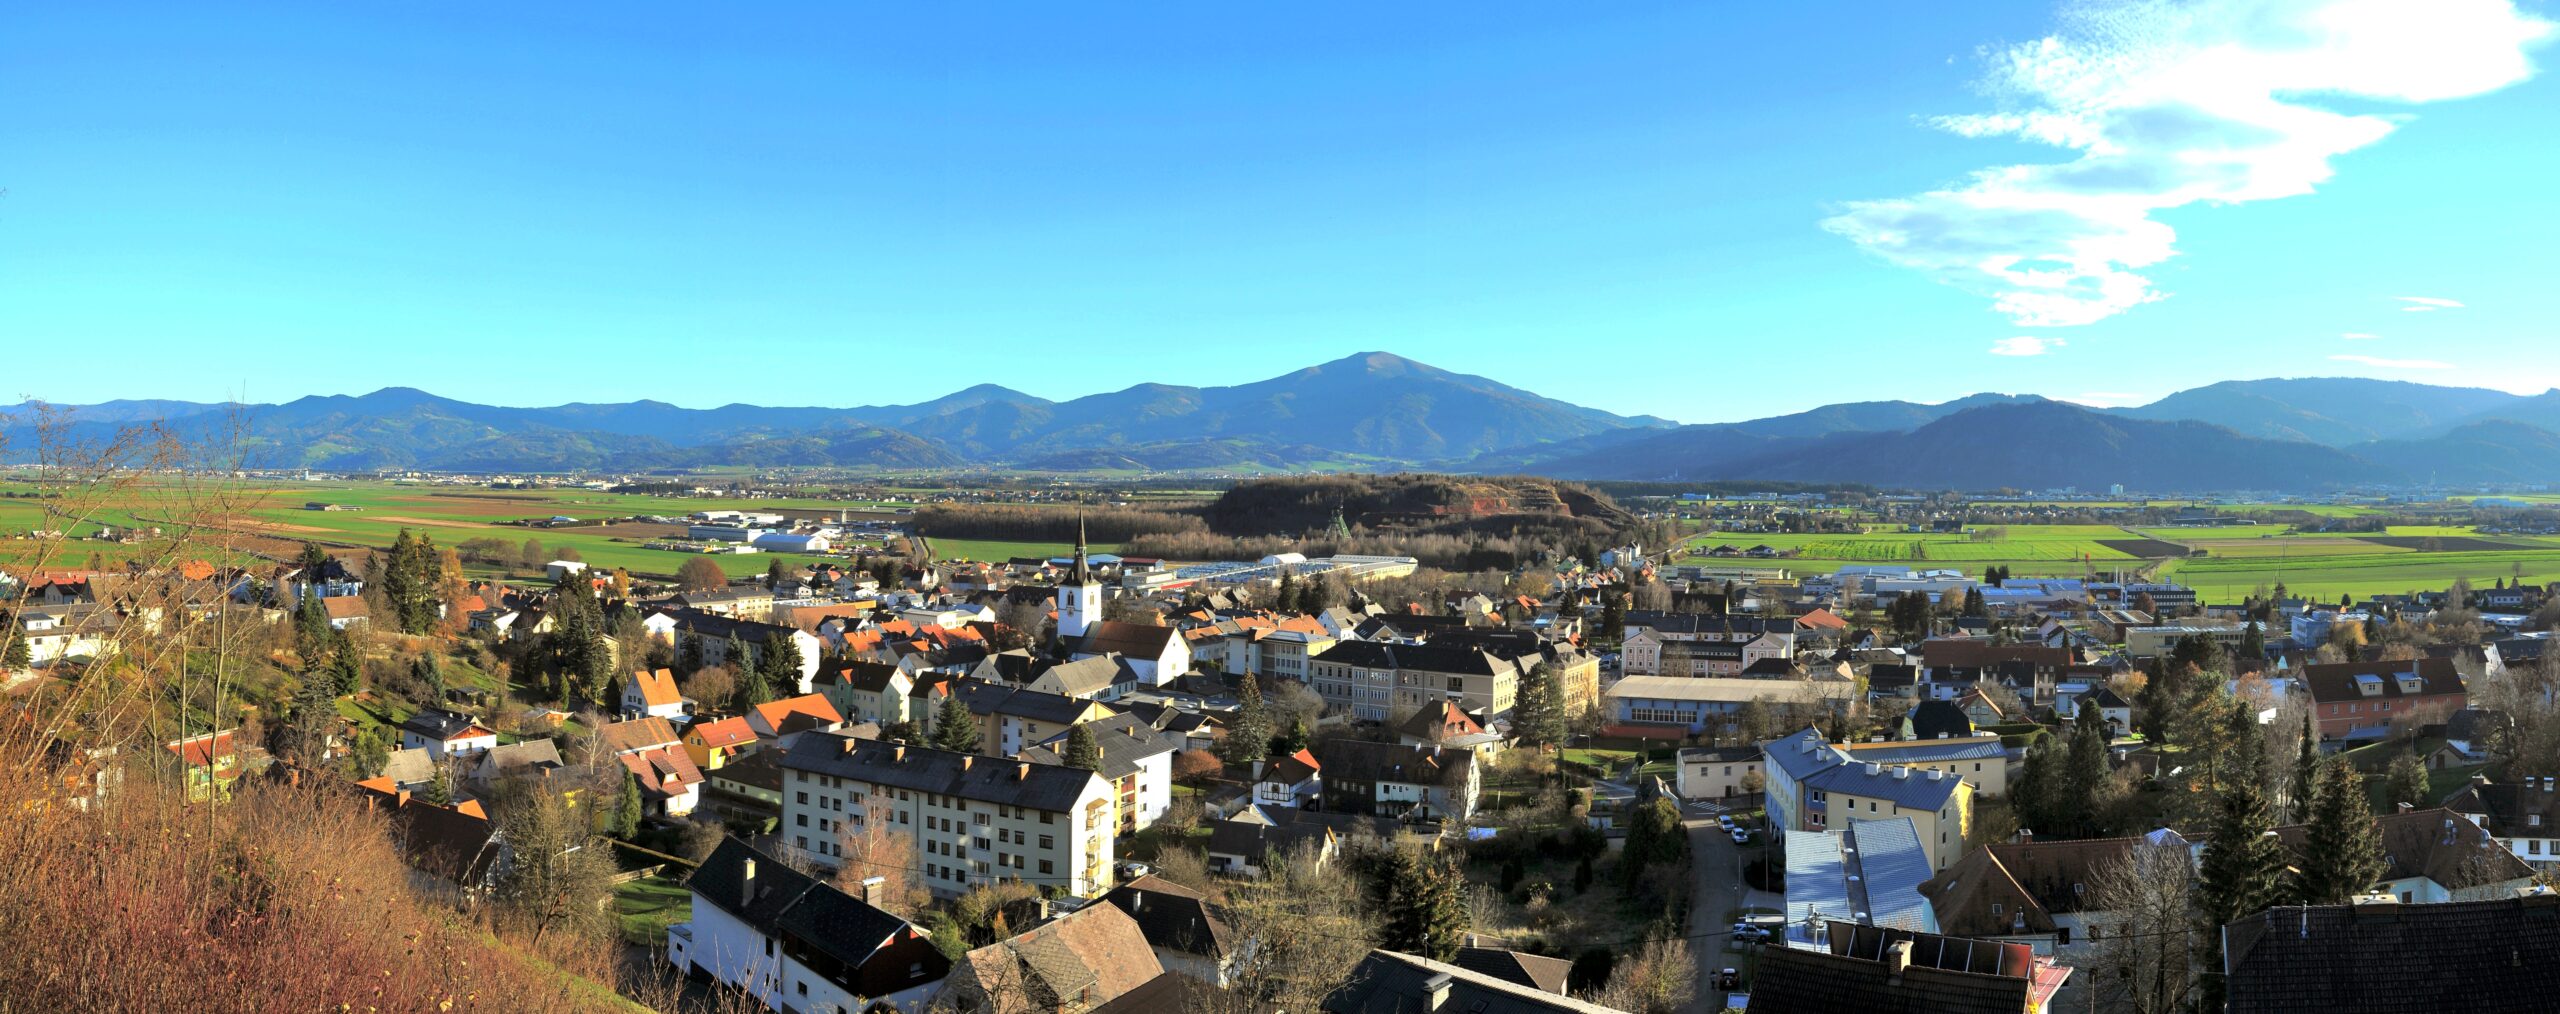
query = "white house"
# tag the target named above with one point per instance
(444, 734)
(797, 943)
(652, 694)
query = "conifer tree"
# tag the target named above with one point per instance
(1538, 709)
(13, 648)
(1249, 739)
(310, 625)
(1082, 751)
(1429, 914)
(2406, 781)
(780, 661)
(626, 809)
(2343, 850)
(954, 727)
(2306, 771)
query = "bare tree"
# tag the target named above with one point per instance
(1660, 979)
(872, 849)
(2144, 934)
(1307, 925)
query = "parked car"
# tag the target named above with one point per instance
(1724, 821)
(1730, 978)
(1134, 870)
(1741, 837)
(1747, 932)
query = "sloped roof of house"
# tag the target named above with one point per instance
(1138, 640)
(508, 758)
(636, 734)
(1125, 740)
(1361, 761)
(346, 607)
(780, 902)
(721, 734)
(2438, 844)
(1947, 975)
(794, 714)
(1087, 676)
(203, 751)
(663, 770)
(441, 725)
(2339, 682)
(445, 842)
(657, 689)
(1174, 916)
(1049, 787)
(2500, 955)
(1392, 982)
(1536, 971)
(1439, 721)
(1096, 953)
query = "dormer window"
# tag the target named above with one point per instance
(2412, 685)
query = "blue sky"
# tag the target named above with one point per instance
(1700, 211)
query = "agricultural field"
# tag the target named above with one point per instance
(2223, 563)
(999, 550)
(448, 514)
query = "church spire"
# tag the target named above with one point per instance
(1082, 574)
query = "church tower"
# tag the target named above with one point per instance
(1079, 598)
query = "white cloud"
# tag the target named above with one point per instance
(2169, 104)
(2426, 304)
(2359, 336)
(2025, 345)
(2380, 363)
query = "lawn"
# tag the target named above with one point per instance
(647, 906)
(998, 550)
(2025, 549)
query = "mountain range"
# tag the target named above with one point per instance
(1382, 411)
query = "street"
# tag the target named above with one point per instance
(1716, 889)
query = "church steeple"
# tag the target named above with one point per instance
(1082, 573)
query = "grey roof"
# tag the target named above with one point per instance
(1464, 661)
(985, 698)
(1892, 866)
(1920, 790)
(507, 758)
(411, 766)
(920, 769)
(437, 723)
(1390, 982)
(1934, 719)
(1125, 740)
(1801, 755)
(808, 915)
(1355, 760)
(1921, 751)
(2501, 955)
(1088, 675)
(1173, 916)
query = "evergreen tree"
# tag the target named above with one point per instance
(2343, 850)
(13, 648)
(2406, 781)
(2084, 770)
(2031, 797)
(780, 661)
(313, 558)
(624, 821)
(310, 624)
(1082, 751)
(408, 577)
(1295, 739)
(2253, 643)
(689, 651)
(954, 727)
(2306, 771)
(1429, 914)
(439, 789)
(1538, 708)
(346, 673)
(1613, 614)
(430, 676)
(752, 690)
(736, 656)
(2242, 871)
(1249, 739)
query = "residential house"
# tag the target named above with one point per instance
(1413, 984)
(1696, 644)
(1441, 724)
(346, 611)
(1935, 719)
(971, 819)
(210, 762)
(1242, 845)
(714, 744)
(1136, 759)
(779, 723)
(1076, 963)
(1538, 972)
(1718, 772)
(1293, 780)
(2434, 855)
(1186, 934)
(1093, 678)
(797, 943)
(869, 692)
(1880, 970)
(1011, 720)
(1157, 654)
(1814, 786)
(2112, 708)
(1867, 872)
(652, 694)
(2523, 814)
(1394, 780)
(1380, 681)
(446, 734)
(2490, 955)
(535, 758)
(649, 748)
(2361, 700)
(453, 851)
(1978, 759)
(2035, 892)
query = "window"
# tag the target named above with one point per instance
(799, 819)
(1995, 908)
(804, 987)
(1047, 843)
(2533, 820)
(983, 819)
(800, 841)
(1047, 817)
(1048, 867)
(800, 797)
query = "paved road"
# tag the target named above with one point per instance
(1715, 889)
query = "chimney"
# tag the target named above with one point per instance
(1902, 773)
(898, 753)
(964, 761)
(2404, 808)
(1022, 772)
(1436, 991)
(847, 743)
(1897, 956)
(1874, 768)
(1936, 775)
(747, 884)
(871, 887)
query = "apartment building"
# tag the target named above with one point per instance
(971, 819)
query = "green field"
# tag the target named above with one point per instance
(449, 514)
(998, 550)
(644, 908)
(2232, 561)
